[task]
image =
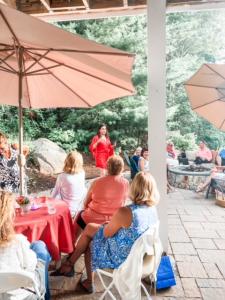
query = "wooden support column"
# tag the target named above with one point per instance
(157, 105)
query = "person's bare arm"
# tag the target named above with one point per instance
(121, 219)
(141, 165)
(89, 195)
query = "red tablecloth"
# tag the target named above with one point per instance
(55, 230)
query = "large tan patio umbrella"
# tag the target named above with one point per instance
(42, 66)
(206, 92)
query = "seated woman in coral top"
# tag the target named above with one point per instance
(106, 195)
(101, 148)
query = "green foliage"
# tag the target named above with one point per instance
(186, 141)
(193, 38)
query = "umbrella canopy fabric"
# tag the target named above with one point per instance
(206, 92)
(60, 69)
(42, 66)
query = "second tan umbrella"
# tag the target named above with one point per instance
(206, 92)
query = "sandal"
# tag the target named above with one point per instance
(58, 272)
(88, 288)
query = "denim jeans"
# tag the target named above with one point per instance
(42, 253)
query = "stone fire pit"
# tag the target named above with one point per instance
(188, 176)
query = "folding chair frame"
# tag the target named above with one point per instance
(108, 288)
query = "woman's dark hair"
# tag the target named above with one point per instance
(103, 125)
(143, 150)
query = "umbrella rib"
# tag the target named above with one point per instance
(69, 88)
(86, 73)
(35, 62)
(222, 124)
(6, 70)
(84, 51)
(39, 70)
(28, 92)
(208, 103)
(4, 61)
(9, 27)
(215, 71)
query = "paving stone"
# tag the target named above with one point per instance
(190, 288)
(206, 212)
(201, 233)
(212, 256)
(217, 211)
(193, 218)
(172, 217)
(212, 270)
(181, 211)
(221, 233)
(190, 269)
(203, 243)
(221, 266)
(213, 225)
(210, 283)
(178, 235)
(172, 211)
(175, 227)
(183, 248)
(169, 250)
(220, 243)
(193, 211)
(172, 221)
(213, 294)
(192, 225)
(187, 258)
(216, 219)
(174, 291)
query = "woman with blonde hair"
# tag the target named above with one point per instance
(109, 245)
(70, 185)
(16, 253)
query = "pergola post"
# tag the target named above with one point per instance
(157, 105)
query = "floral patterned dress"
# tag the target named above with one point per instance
(9, 172)
(112, 252)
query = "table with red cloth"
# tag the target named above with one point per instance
(56, 230)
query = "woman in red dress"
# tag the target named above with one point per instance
(101, 148)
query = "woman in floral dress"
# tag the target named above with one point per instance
(9, 169)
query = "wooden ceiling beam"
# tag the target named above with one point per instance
(86, 4)
(46, 4)
(125, 3)
(11, 3)
(93, 13)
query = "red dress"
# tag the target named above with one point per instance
(102, 152)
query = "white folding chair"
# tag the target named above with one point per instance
(149, 267)
(19, 285)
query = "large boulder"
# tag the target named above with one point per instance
(48, 156)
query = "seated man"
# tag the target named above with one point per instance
(204, 155)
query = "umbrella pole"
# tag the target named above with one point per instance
(20, 111)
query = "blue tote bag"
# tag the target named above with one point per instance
(165, 274)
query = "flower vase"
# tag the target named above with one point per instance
(25, 208)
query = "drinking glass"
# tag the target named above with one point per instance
(50, 206)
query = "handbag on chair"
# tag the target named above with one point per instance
(165, 274)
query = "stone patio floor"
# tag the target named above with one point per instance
(197, 245)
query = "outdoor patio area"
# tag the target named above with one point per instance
(197, 244)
